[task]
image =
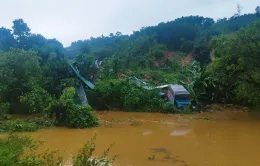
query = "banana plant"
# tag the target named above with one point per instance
(194, 82)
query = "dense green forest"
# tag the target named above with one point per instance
(217, 61)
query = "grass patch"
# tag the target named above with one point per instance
(25, 125)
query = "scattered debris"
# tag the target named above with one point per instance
(208, 118)
(151, 157)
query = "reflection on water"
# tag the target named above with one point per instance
(147, 133)
(179, 132)
(146, 139)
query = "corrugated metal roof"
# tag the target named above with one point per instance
(162, 86)
(179, 89)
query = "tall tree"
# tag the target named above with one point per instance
(6, 39)
(257, 10)
(239, 10)
(111, 35)
(118, 34)
(20, 28)
(21, 31)
(236, 66)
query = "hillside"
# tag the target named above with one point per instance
(35, 70)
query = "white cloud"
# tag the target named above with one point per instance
(70, 20)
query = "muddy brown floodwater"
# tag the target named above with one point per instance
(153, 139)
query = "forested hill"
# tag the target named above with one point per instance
(187, 34)
(35, 70)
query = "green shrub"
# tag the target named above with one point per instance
(186, 110)
(22, 151)
(19, 69)
(67, 113)
(4, 108)
(95, 100)
(169, 108)
(80, 116)
(85, 156)
(12, 150)
(37, 99)
(110, 92)
(126, 94)
(67, 97)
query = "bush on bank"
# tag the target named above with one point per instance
(22, 151)
(67, 113)
(127, 95)
(62, 112)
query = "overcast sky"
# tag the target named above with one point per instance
(70, 20)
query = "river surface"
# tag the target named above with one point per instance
(153, 139)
